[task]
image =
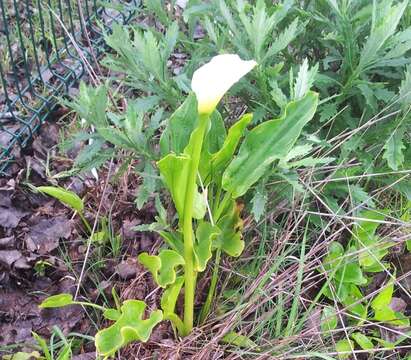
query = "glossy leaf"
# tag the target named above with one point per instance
(180, 126)
(163, 266)
(267, 142)
(57, 301)
(231, 226)
(68, 198)
(205, 235)
(224, 155)
(175, 169)
(129, 327)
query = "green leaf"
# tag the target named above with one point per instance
(205, 236)
(179, 127)
(174, 240)
(344, 348)
(112, 314)
(334, 256)
(57, 301)
(220, 159)
(23, 356)
(242, 341)
(363, 341)
(175, 170)
(200, 205)
(170, 296)
(379, 35)
(270, 141)
(389, 316)
(393, 149)
(259, 201)
(384, 297)
(43, 346)
(304, 81)
(329, 319)
(231, 226)
(148, 187)
(353, 302)
(67, 197)
(162, 267)
(351, 273)
(129, 327)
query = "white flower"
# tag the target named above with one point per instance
(212, 80)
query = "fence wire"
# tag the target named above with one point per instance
(44, 48)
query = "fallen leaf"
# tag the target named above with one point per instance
(8, 257)
(44, 236)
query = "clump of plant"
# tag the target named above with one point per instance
(347, 271)
(206, 169)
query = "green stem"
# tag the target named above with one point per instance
(85, 222)
(190, 276)
(210, 296)
(222, 206)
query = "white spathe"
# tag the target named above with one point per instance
(212, 80)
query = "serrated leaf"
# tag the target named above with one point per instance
(67, 197)
(55, 301)
(393, 150)
(259, 201)
(162, 267)
(148, 187)
(304, 81)
(129, 327)
(327, 111)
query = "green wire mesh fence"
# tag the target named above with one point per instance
(45, 46)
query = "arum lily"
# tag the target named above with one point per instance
(212, 80)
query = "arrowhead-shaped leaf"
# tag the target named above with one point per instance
(129, 327)
(163, 266)
(267, 142)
